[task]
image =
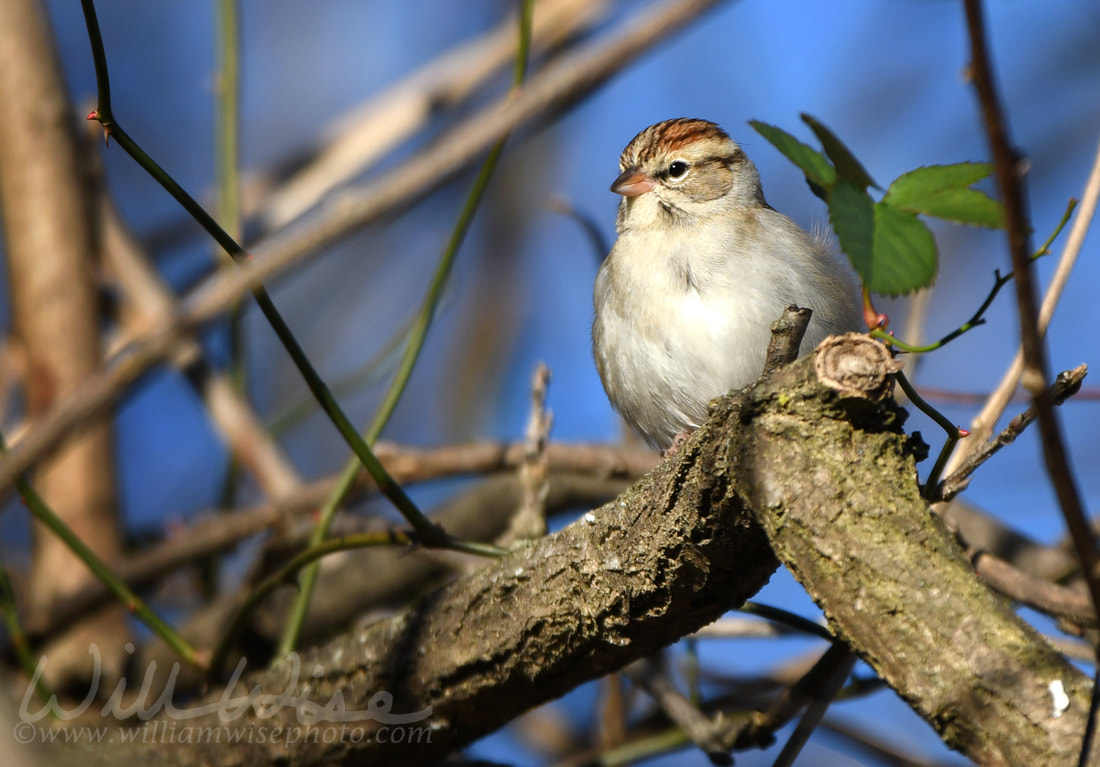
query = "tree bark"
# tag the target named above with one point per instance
(50, 256)
(813, 457)
(851, 525)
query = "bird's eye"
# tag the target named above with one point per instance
(677, 168)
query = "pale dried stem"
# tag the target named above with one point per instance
(915, 321)
(737, 627)
(534, 472)
(13, 374)
(50, 254)
(981, 428)
(146, 301)
(364, 135)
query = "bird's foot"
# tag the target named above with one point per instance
(678, 440)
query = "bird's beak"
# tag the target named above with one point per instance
(632, 182)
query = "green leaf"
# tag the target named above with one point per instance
(819, 173)
(904, 252)
(965, 206)
(943, 191)
(935, 178)
(891, 250)
(852, 214)
(847, 166)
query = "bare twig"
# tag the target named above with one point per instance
(883, 749)
(824, 682)
(813, 685)
(981, 426)
(714, 737)
(1065, 385)
(530, 519)
(786, 338)
(1046, 597)
(957, 397)
(83, 553)
(987, 532)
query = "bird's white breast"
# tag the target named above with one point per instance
(675, 329)
(670, 336)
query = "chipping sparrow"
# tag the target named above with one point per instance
(701, 268)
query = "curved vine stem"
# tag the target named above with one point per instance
(978, 318)
(135, 604)
(286, 577)
(428, 534)
(793, 620)
(954, 433)
(413, 347)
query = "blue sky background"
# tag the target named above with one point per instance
(885, 75)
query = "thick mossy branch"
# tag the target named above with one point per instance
(843, 511)
(814, 457)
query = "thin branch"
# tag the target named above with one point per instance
(982, 425)
(714, 737)
(17, 638)
(1065, 386)
(785, 618)
(978, 318)
(956, 397)
(953, 432)
(227, 137)
(884, 749)
(1007, 162)
(287, 576)
(227, 205)
(529, 521)
(821, 686)
(1038, 593)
